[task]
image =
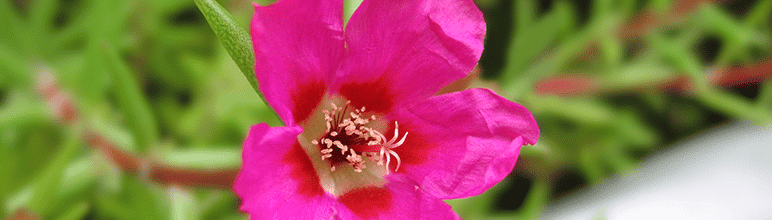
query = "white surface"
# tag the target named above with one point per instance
(723, 173)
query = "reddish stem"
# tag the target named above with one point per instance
(729, 78)
(650, 19)
(744, 76)
(647, 20)
(566, 85)
(23, 214)
(62, 105)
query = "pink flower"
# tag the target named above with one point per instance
(365, 137)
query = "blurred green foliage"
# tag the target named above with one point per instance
(151, 76)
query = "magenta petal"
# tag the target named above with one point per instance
(277, 179)
(298, 46)
(401, 51)
(461, 144)
(400, 198)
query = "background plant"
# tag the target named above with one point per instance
(109, 109)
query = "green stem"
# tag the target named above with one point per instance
(235, 39)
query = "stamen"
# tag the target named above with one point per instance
(349, 132)
(396, 157)
(402, 141)
(386, 148)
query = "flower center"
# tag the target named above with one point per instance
(349, 139)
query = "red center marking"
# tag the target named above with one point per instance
(367, 203)
(306, 98)
(376, 95)
(303, 171)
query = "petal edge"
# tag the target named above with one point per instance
(408, 49)
(298, 47)
(463, 143)
(277, 180)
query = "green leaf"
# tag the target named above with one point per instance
(9, 166)
(47, 184)
(349, 6)
(660, 6)
(737, 37)
(588, 163)
(13, 29)
(183, 204)
(638, 74)
(205, 158)
(673, 52)
(632, 130)
(18, 199)
(764, 99)
(613, 155)
(478, 207)
(612, 52)
(531, 40)
(132, 101)
(537, 199)
(600, 8)
(715, 20)
(735, 106)
(526, 12)
(759, 14)
(515, 86)
(75, 212)
(15, 71)
(235, 39)
(215, 204)
(582, 110)
(41, 19)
